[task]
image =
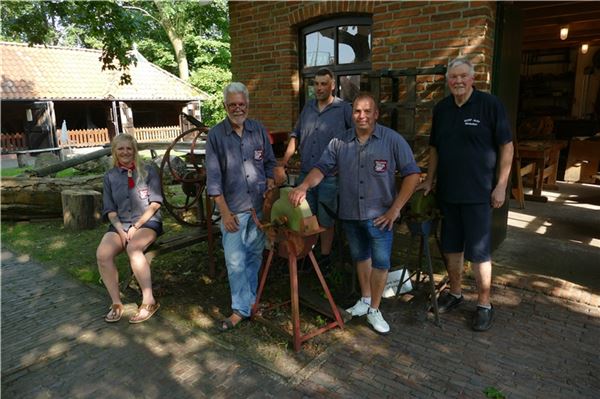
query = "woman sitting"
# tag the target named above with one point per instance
(131, 200)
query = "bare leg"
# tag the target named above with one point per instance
(141, 269)
(327, 240)
(109, 248)
(378, 280)
(455, 265)
(363, 269)
(483, 277)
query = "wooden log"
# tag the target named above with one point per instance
(57, 167)
(26, 198)
(81, 209)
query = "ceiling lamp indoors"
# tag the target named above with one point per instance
(564, 32)
(584, 48)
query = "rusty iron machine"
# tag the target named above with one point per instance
(292, 232)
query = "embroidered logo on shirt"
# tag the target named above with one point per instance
(380, 165)
(472, 122)
(258, 155)
(143, 193)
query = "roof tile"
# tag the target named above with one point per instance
(63, 73)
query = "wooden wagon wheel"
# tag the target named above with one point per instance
(182, 193)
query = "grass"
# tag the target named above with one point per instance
(50, 243)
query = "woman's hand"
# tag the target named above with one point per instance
(131, 232)
(123, 237)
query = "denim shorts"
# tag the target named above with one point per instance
(367, 241)
(467, 228)
(150, 224)
(321, 196)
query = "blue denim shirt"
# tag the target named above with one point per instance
(130, 204)
(367, 181)
(315, 129)
(238, 167)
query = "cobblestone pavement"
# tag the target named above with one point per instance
(55, 345)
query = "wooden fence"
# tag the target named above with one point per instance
(85, 138)
(13, 142)
(93, 137)
(149, 134)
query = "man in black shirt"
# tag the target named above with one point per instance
(471, 154)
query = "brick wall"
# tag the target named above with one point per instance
(264, 45)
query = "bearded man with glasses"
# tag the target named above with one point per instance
(239, 165)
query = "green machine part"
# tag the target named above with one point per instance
(294, 215)
(422, 207)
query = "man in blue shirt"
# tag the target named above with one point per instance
(321, 120)
(367, 158)
(239, 170)
(471, 154)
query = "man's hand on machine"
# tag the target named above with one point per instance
(297, 195)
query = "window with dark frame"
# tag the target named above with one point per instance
(342, 45)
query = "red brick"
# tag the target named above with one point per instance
(477, 11)
(444, 34)
(455, 42)
(415, 38)
(419, 46)
(404, 30)
(420, 20)
(451, 6)
(446, 16)
(435, 27)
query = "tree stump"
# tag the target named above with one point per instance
(81, 209)
(31, 198)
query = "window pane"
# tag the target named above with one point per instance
(354, 44)
(349, 87)
(309, 88)
(319, 48)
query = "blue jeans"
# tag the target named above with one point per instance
(326, 193)
(243, 257)
(367, 241)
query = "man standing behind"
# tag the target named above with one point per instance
(321, 120)
(367, 158)
(239, 164)
(471, 153)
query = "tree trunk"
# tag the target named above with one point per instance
(57, 167)
(176, 41)
(81, 209)
(26, 198)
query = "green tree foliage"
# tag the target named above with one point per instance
(177, 35)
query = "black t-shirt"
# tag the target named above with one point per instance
(467, 139)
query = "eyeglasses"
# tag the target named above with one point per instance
(236, 105)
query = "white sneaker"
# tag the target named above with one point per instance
(360, 308)
(375, 319)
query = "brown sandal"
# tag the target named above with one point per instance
(115, 314)
(144, 306)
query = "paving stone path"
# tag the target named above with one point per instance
(55, 345)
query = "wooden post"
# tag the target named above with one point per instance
(81, 209)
